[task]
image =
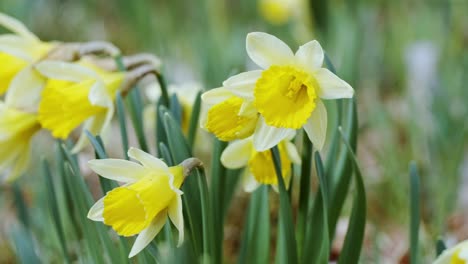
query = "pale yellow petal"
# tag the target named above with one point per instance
(148, 160)
(16, 27)
(237, 154)
(266, 137)
(266, 50)
(67, 71)
(316, 126)
(148, 234)
(331, 86)
(118, 170)
(310, 56)
(95, 212)
(243, 84)
(177, 217)
(25, 90)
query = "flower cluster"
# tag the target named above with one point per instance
(264, 108)
(57, 87)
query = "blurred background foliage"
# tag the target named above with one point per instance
(407, 60)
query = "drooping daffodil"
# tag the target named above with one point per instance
(455, 255)
(259, 165)
(17, 128)
(278, 12)
(151, 194)
(18, 50)
(75, 94)
(288, 91)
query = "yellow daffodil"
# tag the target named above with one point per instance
(76, 94)
(16, 131)
(18, 50)
(288, 91)
(277, 12)
(455, 255)
(260, 169)
(151, 194)
(227, 115)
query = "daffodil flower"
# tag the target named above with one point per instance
(455, 255)
(260, 168)
(16, 131)
(76, 94)
(227, 115)
(277, 12)
(151, 194)
(18, 50)
(288, 91)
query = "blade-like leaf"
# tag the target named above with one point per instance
(414, 212)
(357, 222)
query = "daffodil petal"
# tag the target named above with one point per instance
(310, 55)
(65, 71)
(95, 212)
(447, 254)
(316, 126)
(248, 182)
(17, 46)
(117, 169)
(98, 95)
(331, 86)
(148, 160)
(148, 234)
(237, 154)
(17, 27)
(266, 137)
(243, 84)
(25, 90)
(177, 217)
(215, 96)
(95, 126)
(293, 155)
(20, 165)
(266, 50)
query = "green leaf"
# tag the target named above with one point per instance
(304, 187)
(343, 168)
(24, 245)
(255, 244)
(218, 175)
(357, 222)
(288, 253)
(135, 104)
(440, 247)
(122, 124)
(53, 208)
(194, 116)
(414, 212)
(317, 240)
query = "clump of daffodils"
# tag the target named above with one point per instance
(151, 193)
(58, 87)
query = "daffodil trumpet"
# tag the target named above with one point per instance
(151, 193)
